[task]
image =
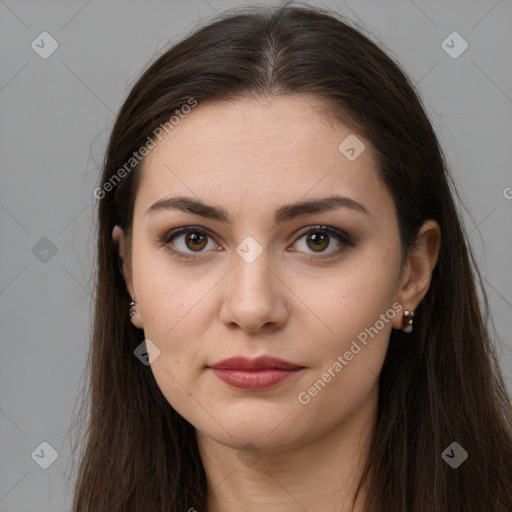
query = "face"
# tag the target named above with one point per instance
(313, 287)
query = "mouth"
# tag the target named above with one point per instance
(255, 374)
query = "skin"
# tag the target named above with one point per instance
(251, 157)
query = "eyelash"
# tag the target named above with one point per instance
(341, 236)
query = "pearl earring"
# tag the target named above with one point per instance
(409, 316)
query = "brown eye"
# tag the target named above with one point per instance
(320, 238)
(186, 241)
(318, 241)
(195, 241)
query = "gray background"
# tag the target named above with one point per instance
(55, 119)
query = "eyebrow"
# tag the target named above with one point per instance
(283, 214)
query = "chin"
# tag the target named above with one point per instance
(268, 436)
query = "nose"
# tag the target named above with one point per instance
(255, 297)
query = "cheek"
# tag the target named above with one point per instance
(349, 315)
(342, 303)
(349, 348)
(171, 295)
(349, 335)
(177, 326)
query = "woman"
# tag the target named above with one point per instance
(286, 311)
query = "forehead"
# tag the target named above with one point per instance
(231, 127)
(265, 150)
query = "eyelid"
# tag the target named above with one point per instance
(166, 239)
(339, 234)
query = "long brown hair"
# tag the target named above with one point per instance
(438, 385)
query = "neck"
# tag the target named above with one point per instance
(320, 475)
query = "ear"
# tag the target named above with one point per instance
(417, 273)
(119, 240)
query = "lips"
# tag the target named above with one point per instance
(254, 374)
(260, 363)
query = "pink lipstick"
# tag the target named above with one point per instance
(254, 374)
